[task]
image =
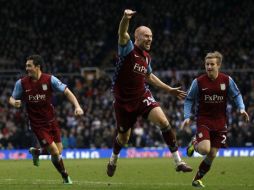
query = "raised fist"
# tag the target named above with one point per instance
(129, 13)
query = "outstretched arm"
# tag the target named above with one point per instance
(123, 27)
(58, 86)
(191, 98)
(155, 81)
(78, 110)
(237, 97)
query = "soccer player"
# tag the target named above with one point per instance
(132, 96)
(210, 93)
(36, 90)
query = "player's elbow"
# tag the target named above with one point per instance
(123, 38)
(66, 91)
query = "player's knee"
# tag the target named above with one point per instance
(123, 139)
(54, 152)
(60, 149)
(204, 150)
(164, 124)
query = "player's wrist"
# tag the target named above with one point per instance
(126, 17)
(169, 88)
(77, 108)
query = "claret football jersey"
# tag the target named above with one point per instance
(129, 78)
(37, 96)
(210, 97)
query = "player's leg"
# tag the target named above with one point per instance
(217, 140)
(204, 167)
(202, 147)
(124, 122)
(40, 134)
(55, 150)
(119, 141)
(36, 152)
(157, 116)
(201, 142)
(39, 151)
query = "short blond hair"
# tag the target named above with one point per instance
(216, 55)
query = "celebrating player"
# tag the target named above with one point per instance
(36, 90)
(210, 93)
(132, 96)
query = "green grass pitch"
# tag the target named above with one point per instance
(138, 174)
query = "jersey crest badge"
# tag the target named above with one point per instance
(44, 87)
(223, 86)
(200, 135)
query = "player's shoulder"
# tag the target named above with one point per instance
(46, 75)
(125, 49)
(201, 77)
(224, 75)
(24, 79)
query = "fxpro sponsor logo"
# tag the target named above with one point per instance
(213, 98)
(139, 69)
(37, 97)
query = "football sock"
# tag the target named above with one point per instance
(169, 138)
(116, 146)
(176, 157)
(113, 158)
(204, 167)
(58, 163)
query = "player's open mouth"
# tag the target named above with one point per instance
(148, 45)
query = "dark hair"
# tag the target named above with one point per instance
(37, 60)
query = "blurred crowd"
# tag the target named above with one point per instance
(74, 34)
(71, 35)
(96, 128)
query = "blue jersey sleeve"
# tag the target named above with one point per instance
(124, 50)
(18, 90)
(57, 85)
(191, 98)
(235, 94)
(149, 69)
